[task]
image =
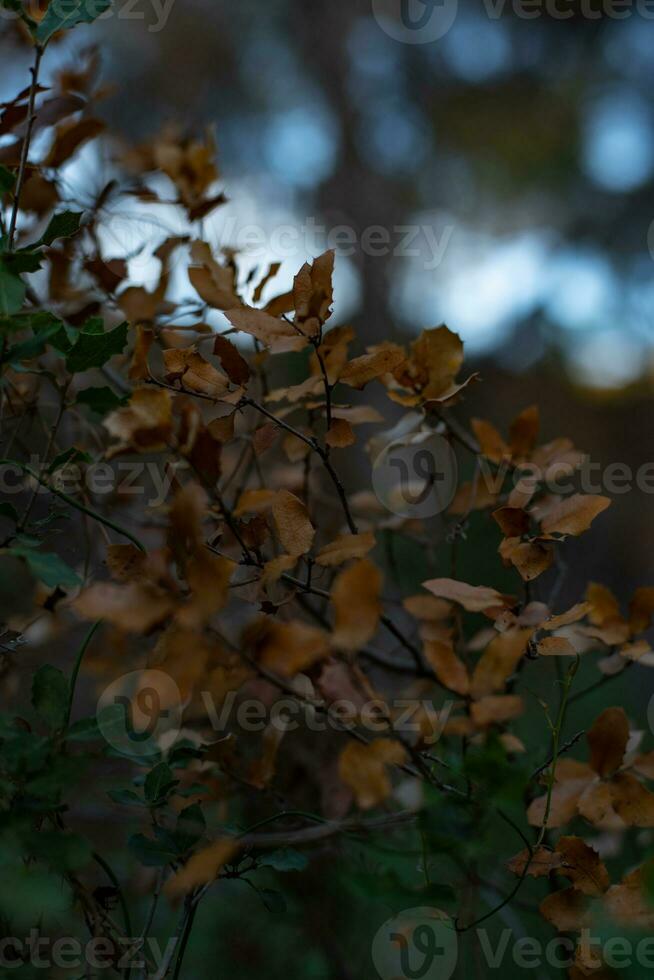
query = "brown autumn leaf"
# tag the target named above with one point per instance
(145, 425)
(276, 567)
(574, 515)
(628, 903)
(641, 609)
(345, 547)
(364, 769)
(530, 558)
(294, 528)
(523, 433)
(262, 770)
(427, 607)
(254, 502)
(235, 365)
(195, 373)
(567, 911)
(279, 335)
(359, 372)
(608, 739)
(357, 607)
(288, 648)
(313, 294)
(208, 577)
(499, 661)
(136, 607)
(125, 562)
(582, 866)
(491, 443)
(540, 863)
(556, 646)
(449, 669)
(514, 522)
(474, 598)
(496, 709)
(631, 801)
(340, 434)
(201, 868)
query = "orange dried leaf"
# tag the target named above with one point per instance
(364, 768)
(574, 514)
(295, 530)
(357, 607)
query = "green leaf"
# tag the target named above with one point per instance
(286, 860)
(37, 321)
(12, 290)
(72, 455)
(62, 225)
(125, 796)
(62, 15)
(274, 901)
(7, 180)
(152, 853)
(50, 695)
(27, 260)
(100, 400)
(93, 349)
(61, 851)
(48, 567)
(8, 510)
(158, 784)
(191, 827)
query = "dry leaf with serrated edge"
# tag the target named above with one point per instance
(345, 547)
(294, 528)
(364, 768)
(582, 866)
(357, 607)
(361, 370)
(541, 863)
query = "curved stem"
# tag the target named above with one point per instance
(76, 669)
